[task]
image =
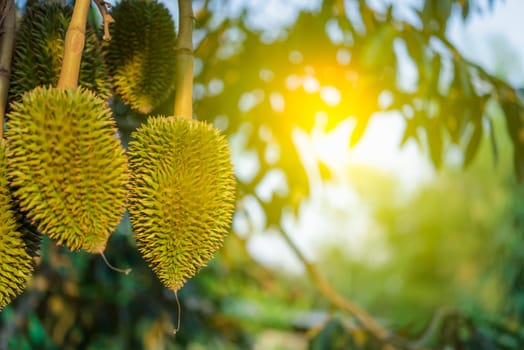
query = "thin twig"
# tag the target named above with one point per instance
(433, 326)
(335, 298)
(7, 40)
(367, 321)
(103, 6)
(184, 61)
(179, 312)
(73, 46)
(124, 271)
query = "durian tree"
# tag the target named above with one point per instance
(110, 149)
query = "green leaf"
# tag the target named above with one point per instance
(358, 131)
(473, 144)
(493, 140)
(435, 144)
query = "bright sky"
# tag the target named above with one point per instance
(319, 220)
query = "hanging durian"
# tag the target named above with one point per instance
(182, 187)
(67, 166)
(140, 54)
(65, 161)
(16, 263)
(39, 50)
(182, 195)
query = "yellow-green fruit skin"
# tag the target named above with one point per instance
(39, 50)
(141, 54)
(16, 265)
(67, 166)
(182, 195)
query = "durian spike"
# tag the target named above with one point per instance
(73, 46)
(184, 61)
(124, 271)
(7, 40)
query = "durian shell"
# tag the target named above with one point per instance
(16, 264)
(141, 54)
(67, 166)
(39, 50)
(182, 195)
(30, 234)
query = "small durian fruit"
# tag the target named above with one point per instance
(182, 194)
(39, 50)
(67, 166)
(140, 55)
(16, 264)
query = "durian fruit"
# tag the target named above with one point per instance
(67, 166)
(16, 264)
(39, 50)
(182, 193)
(140, 55)
(30, 234)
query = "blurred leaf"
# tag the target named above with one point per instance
(515, 125)
(378, 47)
(410, 131)
(368, 17)
(465, 9)
(473, 143)
(37, 333)
(435, 142)
(493, 140)
(435, 14)
(325, 172)
(358, 131)
(415, 45)
(333, 336)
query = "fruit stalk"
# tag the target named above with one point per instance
(73, 46)
(7, 40)
(184, 61)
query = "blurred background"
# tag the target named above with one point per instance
(379, 152)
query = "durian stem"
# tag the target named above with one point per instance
(184, 61)
(7, 40)
(124, 271)
(175, 331)
(74, 45)
(107, 18)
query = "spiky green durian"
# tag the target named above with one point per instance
(67, 166)
(16, 265)
(39, 50)
(140, 55)
(31, 236)
(182, 193)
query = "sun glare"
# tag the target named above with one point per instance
(330, 95)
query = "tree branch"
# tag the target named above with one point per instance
(366, 320)
(103, 6)
(73, 46)
(184, 61)
(433, 326)
(7, 40)
(335, 298)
